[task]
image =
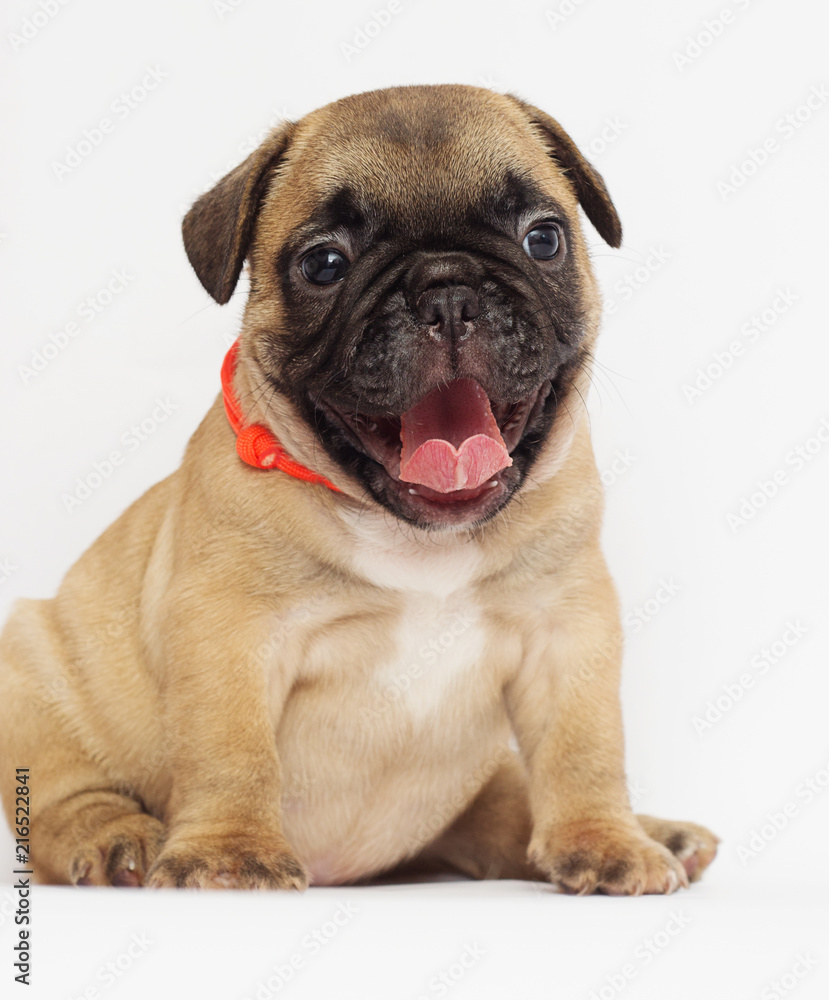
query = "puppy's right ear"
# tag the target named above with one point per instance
(586, 180)
(218, 228)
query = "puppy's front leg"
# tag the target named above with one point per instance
(565, 710)
(223, 814)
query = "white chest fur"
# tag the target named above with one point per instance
(437, 648)
(439, 639)
(403, 558)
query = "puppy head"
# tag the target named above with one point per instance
(421, 306)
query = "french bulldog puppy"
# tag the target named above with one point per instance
(366, 627)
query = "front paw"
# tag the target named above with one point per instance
(604, 856)
(210, 861)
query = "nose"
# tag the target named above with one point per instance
(442, 293)
(447, 308)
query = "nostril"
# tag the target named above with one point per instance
(428, 310)
(447, 306)
(470, 307)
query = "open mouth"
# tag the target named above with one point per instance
(450, 447)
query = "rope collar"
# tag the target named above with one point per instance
(255, 444)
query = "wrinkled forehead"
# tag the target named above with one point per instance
(417, 157)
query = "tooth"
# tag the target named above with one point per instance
(493, 483)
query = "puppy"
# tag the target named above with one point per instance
(308, 654)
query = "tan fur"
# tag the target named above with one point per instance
(229, 687)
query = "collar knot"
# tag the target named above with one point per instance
(255, 444)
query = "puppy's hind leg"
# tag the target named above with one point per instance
(692, 844)
(83, 828)
(84, 831)
(96, 836)
(489, 839)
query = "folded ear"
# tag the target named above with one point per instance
(218, 228)
(586, 180)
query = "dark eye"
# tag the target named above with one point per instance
(324, 266)
(541, 243)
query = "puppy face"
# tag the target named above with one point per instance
(418, 280)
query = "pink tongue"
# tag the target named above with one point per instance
(451, 440)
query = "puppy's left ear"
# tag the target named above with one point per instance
(587, 181)
(218, 228)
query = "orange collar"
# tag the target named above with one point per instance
(254, 443)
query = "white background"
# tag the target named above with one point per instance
(699, 261)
